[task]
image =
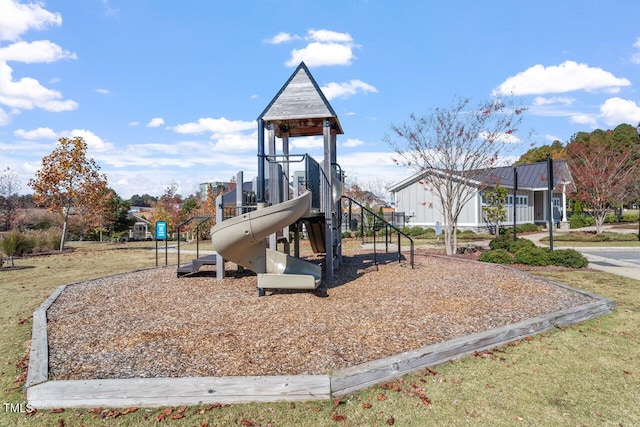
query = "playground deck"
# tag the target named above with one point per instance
(196, 265)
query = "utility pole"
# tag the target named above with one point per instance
(515, 200)
(550, 201)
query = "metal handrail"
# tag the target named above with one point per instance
(387, 225)
(187, 221)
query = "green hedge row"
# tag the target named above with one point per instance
(505, 250)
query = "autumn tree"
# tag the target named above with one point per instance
(167, 208)
(604, 166)
(69, 180)
(556, 150)
(450, 146)
(9, 200)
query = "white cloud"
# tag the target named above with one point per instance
(39, 133)
(325, 47)
(234, 143)
(584, 119)
(617, 110)
(307, 143)
(566, 77)
(17, 18)
(134, 123)
(504, 137)
(635, 58)
(4, 118)
(539, 100)
(320, 54)
(35, 52)
(352, 142)
(368, 165)
(27, 93)
(328, 36)
(155, 122)
(216, 127)
(94, 142)
(103, 91)
(337, 90)
(282, 38)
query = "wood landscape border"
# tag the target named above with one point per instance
(42, 393)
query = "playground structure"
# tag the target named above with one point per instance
(299, 109)
(254, 217)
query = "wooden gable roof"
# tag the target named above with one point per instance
(300, 108)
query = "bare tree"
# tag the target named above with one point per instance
(9, 200)
(450, 146)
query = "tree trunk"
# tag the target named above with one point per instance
(65, 213)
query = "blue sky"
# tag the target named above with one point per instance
(168, 91)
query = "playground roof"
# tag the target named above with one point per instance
(300, 108)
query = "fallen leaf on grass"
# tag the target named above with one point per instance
(381, 397)
(247, 423)
(338, 417)
(57, 410)
(391, 421)
(164, 414)
(180, 413)
(366, 405)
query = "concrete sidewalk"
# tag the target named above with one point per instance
(601, 258)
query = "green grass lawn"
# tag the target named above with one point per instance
(584, 375)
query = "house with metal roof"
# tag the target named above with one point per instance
(422, 206)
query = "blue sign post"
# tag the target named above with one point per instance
(161, 230)
(161, 234)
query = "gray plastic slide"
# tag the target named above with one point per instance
(242, 240)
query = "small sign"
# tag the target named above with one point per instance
(161, 230)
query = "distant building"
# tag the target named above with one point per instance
(219, 187)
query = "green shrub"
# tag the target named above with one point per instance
(568, 258)
(15, 243)
(625, 217)
(417, 231)
(501, 242)
(532, 256)
(527, 228)
(346, 234)
(507, 243)
(521, 244)
(581, 220)
(496, 256)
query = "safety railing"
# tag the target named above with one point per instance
(375, 226)
(203, 220)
